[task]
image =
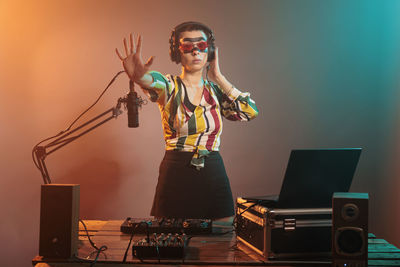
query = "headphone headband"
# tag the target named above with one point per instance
(187, 23)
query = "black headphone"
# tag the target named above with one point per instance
(174, 41)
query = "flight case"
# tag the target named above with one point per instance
(284, 233)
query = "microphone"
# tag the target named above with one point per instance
(132, 104)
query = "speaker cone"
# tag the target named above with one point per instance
(349, 241)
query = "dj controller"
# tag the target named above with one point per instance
(153, 225)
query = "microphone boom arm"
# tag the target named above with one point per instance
(41, 151)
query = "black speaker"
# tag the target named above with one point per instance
(59, 219)
(350, 230)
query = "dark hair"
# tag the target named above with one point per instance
(190, 26)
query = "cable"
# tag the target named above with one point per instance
(222, 233)
(97, 100)
(35, 160)
(98, 250)
(249, 207)
(95, 252)
(234, 223)
(87, 233)
(102, 248)
(130, 241)
(207, 69)
(157, 248)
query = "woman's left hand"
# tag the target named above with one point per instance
(214, 73)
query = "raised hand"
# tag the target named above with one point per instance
(214, 73)
(133, 62)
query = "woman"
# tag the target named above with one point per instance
(192, 180)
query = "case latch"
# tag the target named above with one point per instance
(289, 225)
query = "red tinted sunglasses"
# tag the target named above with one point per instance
(190, 47)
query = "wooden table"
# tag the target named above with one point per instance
(211, 250)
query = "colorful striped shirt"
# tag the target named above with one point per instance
(196, 128)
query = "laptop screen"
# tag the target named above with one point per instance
(313, 175)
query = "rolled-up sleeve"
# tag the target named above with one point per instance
(160, 89)
(238, 106)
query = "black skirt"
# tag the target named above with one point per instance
(185, 192)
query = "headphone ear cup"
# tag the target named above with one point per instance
(211, 48)
(211, 53)
(173, 51)
(171, 47)
(177, 54)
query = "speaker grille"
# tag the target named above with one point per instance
(350, 241)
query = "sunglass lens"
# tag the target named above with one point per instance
(202, 46)
(187, 47)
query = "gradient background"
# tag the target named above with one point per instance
(323, 74)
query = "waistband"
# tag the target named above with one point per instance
(182, 155)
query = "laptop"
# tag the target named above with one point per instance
(311, 178)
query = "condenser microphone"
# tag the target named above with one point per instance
(132, 104)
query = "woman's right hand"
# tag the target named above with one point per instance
(133, 62)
